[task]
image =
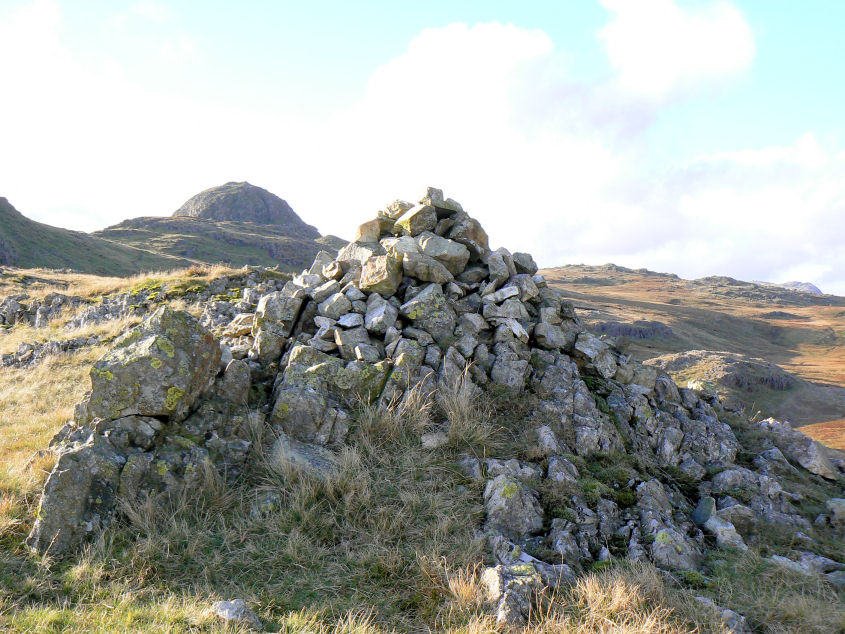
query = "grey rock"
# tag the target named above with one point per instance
(236, 381)
(78, 497)
(158, 368)
(430, 310)
(334, 306)
(425, 268)
(512, 507)
(237, 613)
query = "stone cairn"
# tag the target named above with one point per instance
(419, 297)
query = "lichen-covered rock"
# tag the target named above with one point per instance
(306, 413)
(512, 508)
(157, 369)
(430, 310)
(276, 313)
(346, 382)
(78, 496)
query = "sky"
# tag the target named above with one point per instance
(696, 137)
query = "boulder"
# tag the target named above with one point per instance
(800, 448)
(511, 591)
(334, 306)
(453, 255)
(469, 232)
(381, 274)
(524, 263)
(510, 371)
(425, 268)
(595, 355)
(359, 252)
(325, 374)
(380, 315)
(289, 453)
(549, 337)
(158, 368)
(235, 384)
(78, 497)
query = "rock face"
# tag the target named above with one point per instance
(242, 202)
(417, 301)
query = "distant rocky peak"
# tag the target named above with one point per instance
(243, 202)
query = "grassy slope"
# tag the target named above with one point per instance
(801, 333)
(38, 245)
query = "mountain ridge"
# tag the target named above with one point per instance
(236, 224)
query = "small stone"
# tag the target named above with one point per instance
(237, 613)
(434, 440)
(350, 320)
(335, 306)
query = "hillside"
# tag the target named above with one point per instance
(25, 243)
(236, 224)
(656, 314)
(229, 242)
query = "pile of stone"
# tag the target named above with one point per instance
(29, 354)
(20, 309)
(420, 298)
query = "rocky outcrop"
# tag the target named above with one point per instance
(141, 428)
(243, 202)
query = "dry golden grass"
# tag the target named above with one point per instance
(830, 433)
(625, 599)
(35, 402)
(470, 416)
(38, 283)
(55, 331)
(810, 344)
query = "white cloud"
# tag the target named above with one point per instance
(658, 47)
(489, 112)
(153, 10)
